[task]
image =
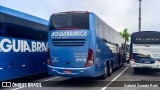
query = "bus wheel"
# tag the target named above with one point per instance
(110, 69)
(104, 76)
(136, 69)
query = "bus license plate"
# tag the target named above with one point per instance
(67, 71)
(146, 62)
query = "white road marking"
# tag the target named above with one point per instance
(101, 89)
(50, 79)
(104, 88)
(17, 88)
(39, 82)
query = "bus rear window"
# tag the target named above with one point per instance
(70, 21)
(146, 37)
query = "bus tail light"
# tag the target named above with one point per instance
(49, 62)
(131, 57)
(90, 60)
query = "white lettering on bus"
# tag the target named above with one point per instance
(34, 46)
(16, 49)
(7, 45)
(69, 33)
(147, 39)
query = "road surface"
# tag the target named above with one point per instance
(123, 78)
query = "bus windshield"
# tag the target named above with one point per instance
(146, 38)
(70, 21)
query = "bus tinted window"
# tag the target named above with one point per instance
(1, 29)
(25, 23)
(146, 38)
(2, 18)
(2, 21)
(20, 28)
(69, 20)
(17, 31)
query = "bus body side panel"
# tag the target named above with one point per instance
(106, 50)
(99, 53)
(18, 26)
(22, 61)
(100, 60)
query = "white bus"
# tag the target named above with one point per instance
(145, 50)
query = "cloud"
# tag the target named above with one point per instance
(119, 14)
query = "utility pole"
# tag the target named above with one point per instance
(139, 15)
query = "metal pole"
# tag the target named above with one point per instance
(140, 15)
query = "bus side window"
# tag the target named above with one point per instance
(117, 48)
(19, 28)
(2, 21)
(39, 33)
(17, 31)
(1, 29)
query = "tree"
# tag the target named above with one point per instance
(125, 35)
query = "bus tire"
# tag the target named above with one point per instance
(110, 69)
(136, 69)
(104, 76)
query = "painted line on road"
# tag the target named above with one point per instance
(17, 88)
(104, 88)
(50, 79)
(40, 82)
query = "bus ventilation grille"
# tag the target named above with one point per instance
(68, 42)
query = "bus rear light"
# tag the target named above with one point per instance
(49, 62)
(130, 56)
(90, 60)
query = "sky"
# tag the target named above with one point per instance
(119, 14)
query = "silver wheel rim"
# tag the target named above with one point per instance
(110, 69)
(106, 70)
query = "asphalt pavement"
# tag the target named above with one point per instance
(123, 78)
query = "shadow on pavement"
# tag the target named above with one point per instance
(147, 72)
(77, 82)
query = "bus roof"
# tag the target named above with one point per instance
(144, 32)
(71, 12)
(146, 37)
(22, 15)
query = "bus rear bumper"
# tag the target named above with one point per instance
(143, 65)
(75, 72)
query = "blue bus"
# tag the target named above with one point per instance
(145, 50)
(80, 44)
(23, 44)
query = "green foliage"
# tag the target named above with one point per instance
(125, 35)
